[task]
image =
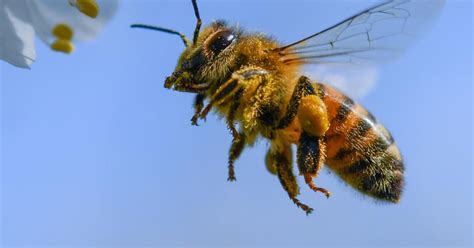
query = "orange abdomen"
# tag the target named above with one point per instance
(359, 149)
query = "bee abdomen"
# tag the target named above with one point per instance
(359, 149)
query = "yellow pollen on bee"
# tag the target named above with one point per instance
(88, 7)
(313, 115)
(62, 31)
(292, 132)
(62, 45)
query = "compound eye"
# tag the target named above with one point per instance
(220, 41)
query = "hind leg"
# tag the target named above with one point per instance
(281, 160)
(311, 157)
(306, 104)
(302, 88)
(308, 178)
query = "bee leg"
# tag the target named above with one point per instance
(270, 163)
(313, 116)
(231, 86)
(198, 105)
(282, 162)
(234, 106)
(311, 157)
(308, 178)
(238, 140)
(309, 107)
(235, 150)
(302, 88)
(222, 94)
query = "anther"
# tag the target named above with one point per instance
(62, 31)
(62, 45)
(88, 7)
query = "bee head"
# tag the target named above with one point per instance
(206, 61)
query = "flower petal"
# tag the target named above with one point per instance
(46, 14)
(17, 40)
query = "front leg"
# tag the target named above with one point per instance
(233, 89)
(198, 105)
(237, 81)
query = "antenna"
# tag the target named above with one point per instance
(166, 30)
(198, 22)
(171, 31)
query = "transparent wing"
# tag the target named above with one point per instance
(377, 34)
(356, 81)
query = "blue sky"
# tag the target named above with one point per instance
(95, 152)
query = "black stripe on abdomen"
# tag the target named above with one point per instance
(344, 110)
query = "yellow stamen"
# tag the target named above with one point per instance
(62, 45)
(88, 7)
(62, 31)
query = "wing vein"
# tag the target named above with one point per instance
(380, 32)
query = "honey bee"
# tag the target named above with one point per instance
(256, 84)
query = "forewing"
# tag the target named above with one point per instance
(377, 34)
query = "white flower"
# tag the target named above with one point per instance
(56, 22)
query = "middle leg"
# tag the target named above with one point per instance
(238, 140)
(235, 150)
(282, 161)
